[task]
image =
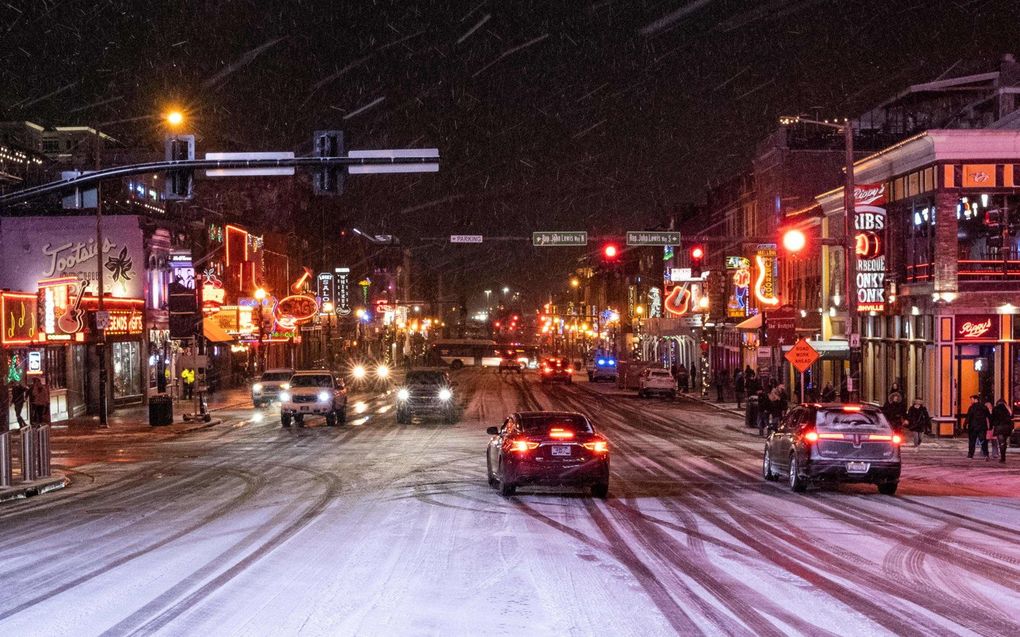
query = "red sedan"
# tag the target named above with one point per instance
(548, 448)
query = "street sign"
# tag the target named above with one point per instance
(802, 356)
(683, 275)
(568, 238)
(652, 238)
(395, 154)
(781, 325)
(249, 172)
(465, 238)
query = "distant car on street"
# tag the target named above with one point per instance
(834, 443)
(556, 368)
(656, 381)
(314, 393)
(269, 385)
(547, 448)
(428, 392)
(602, 368)
(510, 365)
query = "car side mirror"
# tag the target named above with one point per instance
(492, 431)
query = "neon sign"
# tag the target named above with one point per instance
(295, 309)
(18, 320)
(869, 222)
(678, 301)
(765, 284)
(978, 327)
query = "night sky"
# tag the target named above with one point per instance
(599, 116)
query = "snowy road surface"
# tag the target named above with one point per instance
(380, 529)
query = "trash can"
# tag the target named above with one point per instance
(751, 412)
(161, 411)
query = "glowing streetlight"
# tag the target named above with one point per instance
(575, 282)
(260, 295)
(506, 290)
(175, 118)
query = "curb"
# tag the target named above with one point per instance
(36, 487)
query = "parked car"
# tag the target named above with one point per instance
(602, 368)
(269, 385)
(656, 381)
(426, 391)
(314, 393)
(834, 443)
(547, 448)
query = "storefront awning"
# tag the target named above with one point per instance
(753, 323)
(215, 333)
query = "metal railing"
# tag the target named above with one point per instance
(35, 455)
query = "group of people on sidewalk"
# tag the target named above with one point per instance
(15, 394)
(989, 425)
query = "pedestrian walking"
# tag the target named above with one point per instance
(895, 411)
(751, 383)
(764, 410)
(977, 426)
(779, 401)
(738, 387)
(39, 402)
(1002, 427)
(720, 382)
(828, 393)
(5, 408)
(19, 394)
(918, 420)
(683, 377)
(188, 380)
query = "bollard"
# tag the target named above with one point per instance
(27, 454)
(6, 469)
(42, 452)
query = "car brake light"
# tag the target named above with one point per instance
(523, 446)
(831, 436)
(570, 370)
(897, 439)
(599, 446)
(560, 433)
(851, 407)
(885, 437)
(811, 436)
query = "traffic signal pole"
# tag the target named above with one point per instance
(850, 249)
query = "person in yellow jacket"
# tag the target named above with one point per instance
(188, 380)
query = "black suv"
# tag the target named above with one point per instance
(426, 391)
(834, 443)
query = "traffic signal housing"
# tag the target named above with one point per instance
(179, 182)
(697, 260)
(328, 180)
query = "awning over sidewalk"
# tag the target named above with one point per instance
(753, 323)
(212, 331)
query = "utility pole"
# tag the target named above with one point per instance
(100, 331)
(850, 249)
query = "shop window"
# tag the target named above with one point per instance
(983, 250)
(127, 369)
(919, 247)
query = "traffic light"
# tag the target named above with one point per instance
(179, 182)
(697, 260)
(794, 240)
(328, 180)
(610, 252)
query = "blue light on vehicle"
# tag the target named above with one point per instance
(612, 362)
(602, 361)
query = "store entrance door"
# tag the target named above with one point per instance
(976, 371)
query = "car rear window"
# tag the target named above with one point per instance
(660, 373)
(276, 375)
(542, 424)
(839, 421)
(426, 378)
(311, 381)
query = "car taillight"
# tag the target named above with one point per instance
(560, 433)
(570, 370)
(599, 446)
(546, 369)
(880, 437)
(831, 436)
(523, 446)
(811, 436)
(897, 439)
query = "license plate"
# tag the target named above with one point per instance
(561, 450)
(857, 467)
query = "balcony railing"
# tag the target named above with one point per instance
(992, 267)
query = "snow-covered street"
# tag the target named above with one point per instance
(375, 528)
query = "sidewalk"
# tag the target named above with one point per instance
(37, 487)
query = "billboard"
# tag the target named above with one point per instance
(869, 224)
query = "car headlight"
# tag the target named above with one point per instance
(257, 388)
(403, 394)
(285, 386)
(284, 397)
(445, 394)
(359, 372)
(382, 371)
(324, 396)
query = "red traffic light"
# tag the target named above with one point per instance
(794, 240)
(610, 251)
(697, 252)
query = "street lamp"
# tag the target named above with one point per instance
(506, 290)
(848, 243)
(174, 118)
(575, 282)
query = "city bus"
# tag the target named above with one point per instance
(461, 352)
